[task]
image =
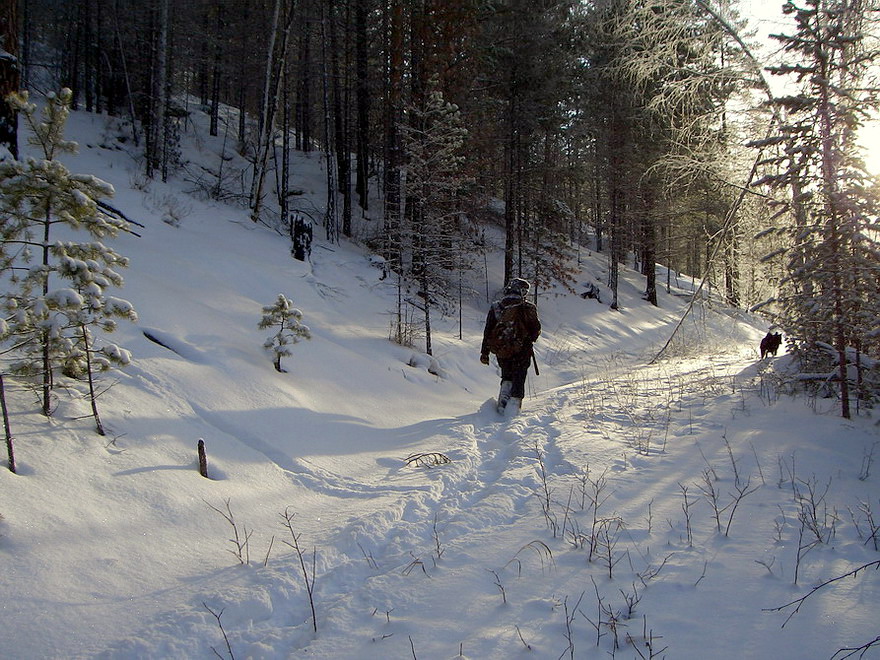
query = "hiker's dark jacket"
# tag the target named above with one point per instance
(530, 319)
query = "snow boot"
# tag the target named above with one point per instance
(514, 405)
(504, 395)
(512, 408)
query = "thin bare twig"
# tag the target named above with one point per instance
(798, 602)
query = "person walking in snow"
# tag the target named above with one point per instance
(512, 326)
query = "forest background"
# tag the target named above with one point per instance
(662, 131)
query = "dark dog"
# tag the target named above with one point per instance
(770, 344)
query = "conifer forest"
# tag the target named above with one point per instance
(656, 133)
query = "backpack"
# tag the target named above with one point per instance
(510, 335)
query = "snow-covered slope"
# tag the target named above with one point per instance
(115, 547)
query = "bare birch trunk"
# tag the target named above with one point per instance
(265, 123)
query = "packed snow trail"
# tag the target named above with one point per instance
(426, 535)
(421, 517)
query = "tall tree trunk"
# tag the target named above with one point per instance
(423, 243)
(649, 245)
(330, 217)
(731, 267)
(44, 338)
(159, 101)
(275, 63)
(597, 204)
(93, 398)
(363, 104)
(616, 229)
(833, 231)
(284, 183)
(216, 67)
(429, 349)
(265, 124)
(71, 58)
(304, 86)
(170, 139)
(26, 36)
(203, 83)
(89, 49)
(9, 74)
(242, 104)
(101, 55)
(242, 53)
(10, 449)
(340, 122)
(393, 153)
(135, 134)
(510, 188)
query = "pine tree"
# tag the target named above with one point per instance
(91, 270)
(287, 320)
(613, 102)
(663, 80)
(57, 290)
(433, 140)
(534, 63)
(830, 299)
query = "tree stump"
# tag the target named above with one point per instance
(203, 459)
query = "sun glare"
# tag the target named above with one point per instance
(870, 138)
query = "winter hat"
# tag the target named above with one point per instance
(517, 286)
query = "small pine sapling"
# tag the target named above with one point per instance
(91, 270)
(58, 290)
(284, 317)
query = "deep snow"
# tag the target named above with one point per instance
(113, 547)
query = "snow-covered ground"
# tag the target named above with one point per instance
(630, 510)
